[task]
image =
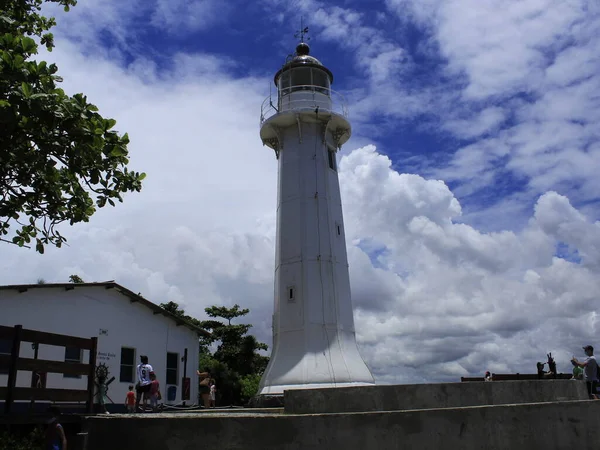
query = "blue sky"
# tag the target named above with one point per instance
(469, 186)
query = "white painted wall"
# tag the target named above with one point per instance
(83, 312)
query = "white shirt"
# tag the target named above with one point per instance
(590, 371)
(143, 374)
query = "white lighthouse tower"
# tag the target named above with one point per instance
(314, 343)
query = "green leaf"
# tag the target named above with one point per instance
(39, 247)
(7, 58)
(118, 151)
(29, 45)
(26, 89)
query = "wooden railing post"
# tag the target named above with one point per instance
(92, 376)
(12, 370)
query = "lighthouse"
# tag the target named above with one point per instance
(314, 340)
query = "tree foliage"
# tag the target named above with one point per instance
(75, 279)
(236, 348)
(236, 363)
(23, 441)
(59, 158)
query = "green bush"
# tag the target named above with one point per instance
(30, 441)
(249, 386)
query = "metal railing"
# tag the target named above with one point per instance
(304, 97)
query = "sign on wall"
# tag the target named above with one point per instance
(105, 356)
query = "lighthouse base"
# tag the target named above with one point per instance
(278, 390)
(314, 357)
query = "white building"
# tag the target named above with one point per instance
(126, 325)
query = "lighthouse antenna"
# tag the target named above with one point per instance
(300, 34)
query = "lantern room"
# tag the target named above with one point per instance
(303, 82)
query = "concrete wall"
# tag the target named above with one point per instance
(424, 396)
(109, 315)
(548, 426)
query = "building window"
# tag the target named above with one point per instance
(332, 161)
(73, 355)
(172, 366)
(126, 374)
(6, 350)
(339, 229)
(291, 294)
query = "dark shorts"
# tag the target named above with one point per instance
(204, 389)
(142, 389)
(591, 387)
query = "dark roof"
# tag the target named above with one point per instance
(112, 285)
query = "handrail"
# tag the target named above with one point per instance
(271, 106)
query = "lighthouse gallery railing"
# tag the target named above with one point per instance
(311, 97)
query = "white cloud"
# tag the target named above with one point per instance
(525, 77)
(461, 294)
(475, 125)
(179, 16)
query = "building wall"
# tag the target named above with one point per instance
(116, 321)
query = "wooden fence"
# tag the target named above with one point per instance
(13, 362)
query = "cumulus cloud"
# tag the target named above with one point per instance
(458, 300)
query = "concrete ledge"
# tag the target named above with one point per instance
(425, 396)
(548, 426)
(266, 401)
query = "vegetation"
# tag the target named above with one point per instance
(11, 441)
(76, 279)
(235, 363)
(59, 158)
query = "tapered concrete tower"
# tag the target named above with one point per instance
(314, 343)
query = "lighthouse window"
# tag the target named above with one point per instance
(320, 79)
(291, 294)
(339, 229)
(301, 78)
(332, 161)
(284, 82)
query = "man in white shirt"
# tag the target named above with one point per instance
(590, 370)
(144, 382)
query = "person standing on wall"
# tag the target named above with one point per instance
(204, 387)
(590, 370)
(144, 382)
